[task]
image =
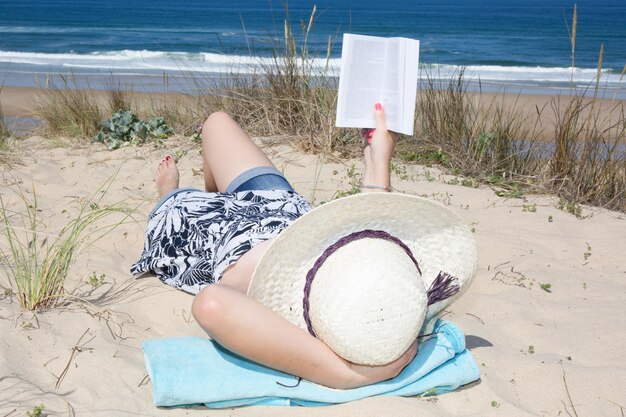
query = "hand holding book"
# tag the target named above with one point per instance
(377, 154)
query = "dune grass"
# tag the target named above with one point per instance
(497, 143)
(37, 263)
(477, 137)
(67, 110)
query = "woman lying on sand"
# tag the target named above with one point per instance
(218, 232)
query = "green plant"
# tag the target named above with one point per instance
(466, 182)
(125, 128)
(95, 280)
(37, 411)
(425, 157)
(531, 349)
(550, 219)
(546, 287)
(399, 170)
(531, 208)
(495, 404)
(587, 253)
(355, 179)
(515, 191)
(570, 207)
(38, 263)
(429, 177)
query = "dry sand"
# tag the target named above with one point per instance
(540, 353)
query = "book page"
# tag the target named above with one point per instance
(364, 70)
(391, 96)
(373, 70)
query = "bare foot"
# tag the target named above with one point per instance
(166, 176)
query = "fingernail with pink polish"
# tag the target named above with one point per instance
(378, 106)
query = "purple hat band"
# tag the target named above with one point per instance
(443, 287)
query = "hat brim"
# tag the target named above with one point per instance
(437, 237)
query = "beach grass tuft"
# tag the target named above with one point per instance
(37, 263)
(495, 142)
(68, 110)
(119, 95)
(475, 137)
(589, 162)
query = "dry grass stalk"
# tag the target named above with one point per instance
(119, 95)
(78, 347)
(572, 39)
(68, 110)
(5, 133)
(589, 163)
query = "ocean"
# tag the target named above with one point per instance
(507, 44)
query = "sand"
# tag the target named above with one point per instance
(540, 353)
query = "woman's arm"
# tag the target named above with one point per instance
(377, 155)
(250, 329)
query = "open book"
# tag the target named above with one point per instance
(377, 70)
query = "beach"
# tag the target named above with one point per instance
(543, 317)
(519, 130)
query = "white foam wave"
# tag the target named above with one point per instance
(543, 75)
(151, 62)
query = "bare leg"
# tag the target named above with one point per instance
(227, 152)
(167, 176)
(252, 330)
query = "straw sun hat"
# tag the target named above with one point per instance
(363, 273)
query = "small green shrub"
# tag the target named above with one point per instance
(570, 207)
(466, 182)
(355, 180)
(531, 208)
(125, 128)
(37, 411)
(425, 157)
(96, 280)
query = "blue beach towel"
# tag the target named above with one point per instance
(192, 371)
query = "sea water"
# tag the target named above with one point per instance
(499, 43)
